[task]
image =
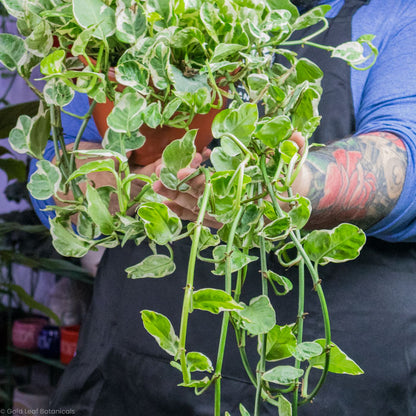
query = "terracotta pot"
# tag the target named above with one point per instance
(156, 139)
(69, 341)
(25, 332)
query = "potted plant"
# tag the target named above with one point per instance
(173, 60)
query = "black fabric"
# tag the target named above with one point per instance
(120, 370)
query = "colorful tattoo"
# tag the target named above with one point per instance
(357, 180)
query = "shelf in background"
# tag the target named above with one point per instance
(38, 357)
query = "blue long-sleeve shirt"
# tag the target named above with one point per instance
(384, 99)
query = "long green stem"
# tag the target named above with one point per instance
(315, 279)
(80, 134)
(301, 309)
(187, 300)
(226, 315)
(262, 338)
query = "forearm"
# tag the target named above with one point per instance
(356, 180)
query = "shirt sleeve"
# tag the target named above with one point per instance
(385, 100)
(79, 106)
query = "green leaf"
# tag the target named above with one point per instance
(40, 41)
(284, 4)
(188, 84)
(170, 109)
(105, 165)
(152, 116)
(161, 224)
(222, 161)
(306, 350)
(284, 406)
(352, 52)
(106, 154)
(259, 317)
(127, 114)
(206, 238)
(275, 130)
(154, 266)
(341, 244)
(98, 211)
(282, 281)
(307, 70)
(66, 242)
(53, 63)
(176, 156)
(81, 42)
(130, 23)
(121, 142)
(196, 361)
(45, 181)
(311, 17)
(12, 49)
(214, 301)
(243, 410)
(301, 212)
(280, 341)
(288, 150)
(209, 18)
(339, 362)
(95, 13)
(39, 132)
(58, 93)
(283, 374)
(158, 63)
(238, 259)
(224, 50)
(163, 8)
(196, 384)
(277, 229)
(249, 218)
(187, 36)
(133, 74)
(239, 122)
(86, 228)
(256, 83)
(162, 330)
(16, 8)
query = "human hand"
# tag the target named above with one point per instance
(185, 204)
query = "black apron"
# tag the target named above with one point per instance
(119, 369)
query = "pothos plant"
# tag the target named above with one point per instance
(172, 60)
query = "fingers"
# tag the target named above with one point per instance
(197, 160)
(188, 215)
(299, 140)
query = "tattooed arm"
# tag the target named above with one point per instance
(356, 180)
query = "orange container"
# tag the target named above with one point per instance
(69, 341)
(156, 139)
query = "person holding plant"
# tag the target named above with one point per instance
(365, 175)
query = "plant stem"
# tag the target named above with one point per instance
(226, 316)
(80, 133)
(262, 339)
(315, 279)
(301, 303)
(187, 300)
